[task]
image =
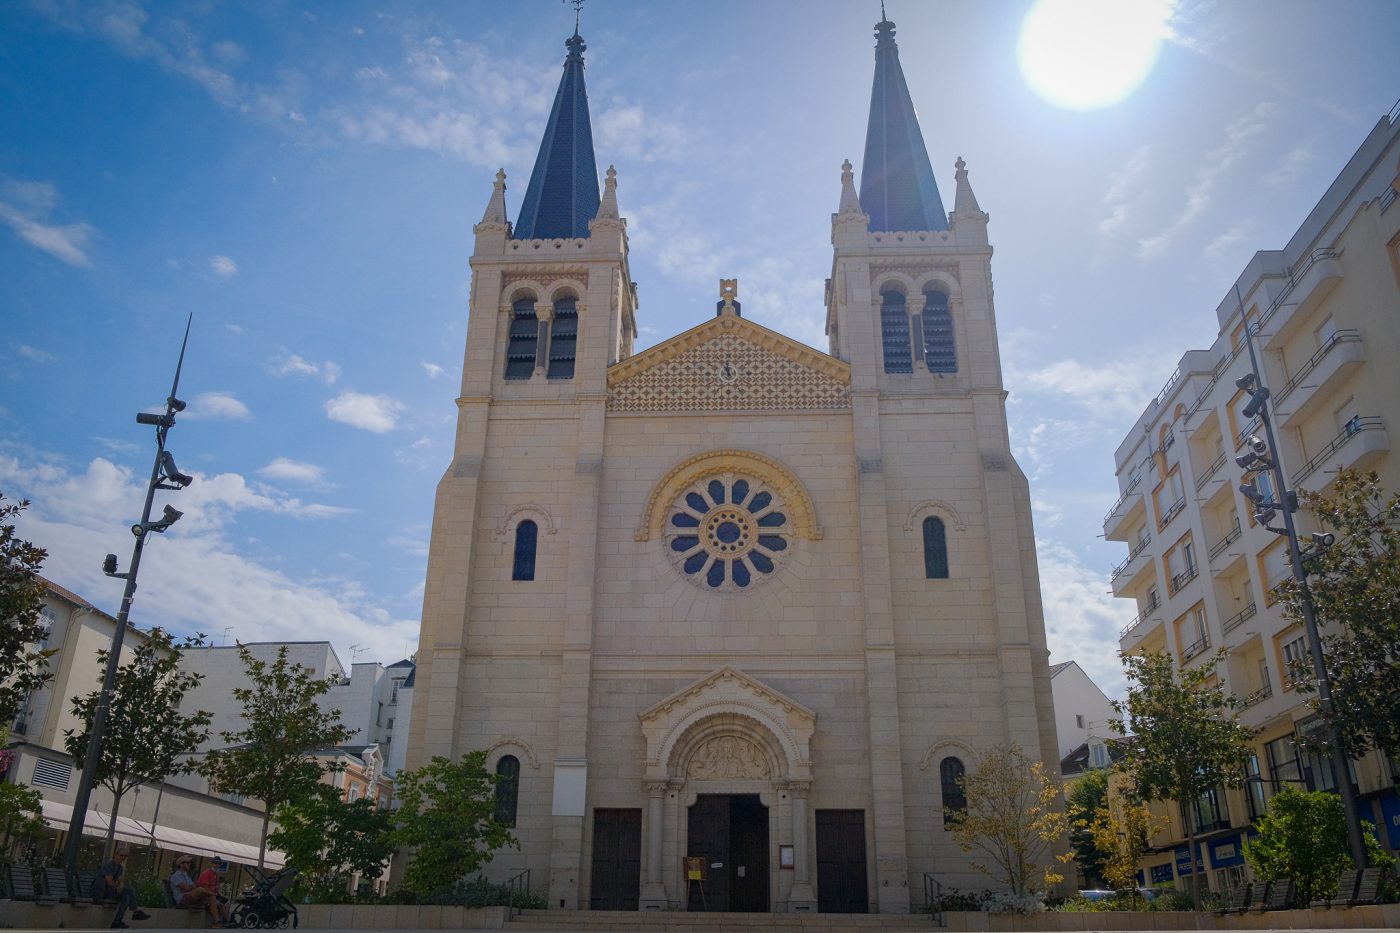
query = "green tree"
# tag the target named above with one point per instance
(1082, 802)
(1184, 736)
(329, 839)
(1122, 828)
(146, 733)
(1303, 836)
(20, 813)
(1355, 587)
(23, 666)
(274, 757)
(1013, 819)
(447, 814)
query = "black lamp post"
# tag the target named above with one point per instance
(1258, 457)
(164, 475)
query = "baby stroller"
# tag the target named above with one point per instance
(265, 904)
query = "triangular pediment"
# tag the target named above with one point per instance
(727, 681)
(729, 364)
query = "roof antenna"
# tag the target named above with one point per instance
(578, 8)
(883, 17)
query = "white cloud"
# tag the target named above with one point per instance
(36, 355)
(285, 363)
(218, 406)
(633, 134)
(377, 413)
(330, 372)
(25, 207)
(223, 267)
(293, 470)
(1082, 617)
(432, 369)
(1125, 193)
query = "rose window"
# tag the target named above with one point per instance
(727, 532)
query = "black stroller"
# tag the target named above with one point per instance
(265, 904)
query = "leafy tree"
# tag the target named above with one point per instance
(23, 667)
(1013, 818)
(447, 813)
(1122, 828)
(20, 808)
(1082, 802)
(1185, 738)
(1355, 586)
(274, 756)
(1303, 836)
(330, 839)
(146, 733)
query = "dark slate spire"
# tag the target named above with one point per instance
(562, 196)
(897, 188)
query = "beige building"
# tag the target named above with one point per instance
(1200, 569)
(733, 598)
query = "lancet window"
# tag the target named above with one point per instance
(526, 536)
(939, 352)
(507, 789)
(563, 338)
(524, 339)
(950, 775)
(935, 549)
(894, 332)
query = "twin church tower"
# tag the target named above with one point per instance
(732, 606)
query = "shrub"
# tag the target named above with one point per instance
(1004, 902)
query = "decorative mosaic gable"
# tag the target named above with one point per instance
(729, 365)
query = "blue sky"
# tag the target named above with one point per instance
(304, 178)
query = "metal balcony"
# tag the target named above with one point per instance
(1210, 471)
(1220, 546)
(1361, 440)
(1238, 619)
(1175, 584)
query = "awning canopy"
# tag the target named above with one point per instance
(59, 815)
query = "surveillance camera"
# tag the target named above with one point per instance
(1324, 538)
(109, 565)
(1245, 382)
(1257, 445)
(172, 473)
(174, 404)
(163, 421)
(169, 517)
(1256, 404)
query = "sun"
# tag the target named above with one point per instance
(1086, 54)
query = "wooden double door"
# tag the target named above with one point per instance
(841, 878)
(730, 832)
(617, 860)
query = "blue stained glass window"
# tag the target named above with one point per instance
(716, 575)
(740, 573)
(694, 562)
(935, 549)
(685, 520)
(717, 491)
(526, 534)
(684, 543)
(773, 520)
(697, 502)
(773, 542)
(740, 492)
(761, 562)
(761, 502)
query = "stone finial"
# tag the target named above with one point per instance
(850, 203)
(964, 201)
(496, 207)
(607, 207)
(728, 291)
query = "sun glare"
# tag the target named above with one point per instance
(1085, 54)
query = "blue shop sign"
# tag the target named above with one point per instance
(1226, 851)
(1390, 811)
(1183, 860)
(1162, 874)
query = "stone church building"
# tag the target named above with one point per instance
(733, 606)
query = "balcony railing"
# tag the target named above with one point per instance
(1195, 648)
(1257, 697)
(1219, 547)
(1274, 593)
(1180, 580)
(1295, 275)
(1123, 498)
(1352, 428)
(1341, 336)
(1140, 618)
(1246, 432)
(1137, 549)
(1173, 511)
(1239, 618)
(1210, 471)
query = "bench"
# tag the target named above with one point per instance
(21, 883)
(1258, 896)
(1239, 901)
(1346, 889)
(1368, 888)
(1280, 895)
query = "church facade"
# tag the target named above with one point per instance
(731, 614)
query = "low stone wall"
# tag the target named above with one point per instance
(42, 915)
(1376, 916)
(399, 917)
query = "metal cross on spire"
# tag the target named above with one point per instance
(578, 8)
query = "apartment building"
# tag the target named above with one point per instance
(1202, 573)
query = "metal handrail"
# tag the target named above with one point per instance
(933, 900)
(1140, 618)
(1195, 648)
(1246, 432)
(1137, 549)
(522, 888)
(1257, 697)
(1211, 471)
(1294, 274)
(1352, 428)
(1123, 498)
(1341, 336)
(1173, 511)
(1178, 581)
(1219, 547)
(1238, 619)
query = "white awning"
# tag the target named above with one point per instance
(59, 815)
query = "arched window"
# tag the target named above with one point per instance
(507, 789)
(935, 549)
(939, 351)
(894, 333)
(950, 776)
(524, 338)
(526, 534)
(563, 337)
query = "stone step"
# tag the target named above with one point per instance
(631, 920)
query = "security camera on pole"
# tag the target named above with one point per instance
(164, 475)
(1267, 505)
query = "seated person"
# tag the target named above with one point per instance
(187, 893)
(110, 886)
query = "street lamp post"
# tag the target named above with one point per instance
(164, 475)
(1286, 502)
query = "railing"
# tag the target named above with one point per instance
(519, 897)
(1274, 593)
(933, 900)
(1210, 471)
(1294, 276)
(1123, 498)
(1167, 441)
(1341, 336)
(1140, 618)
(1195, 648)
(1351, 429)
(1257, 697)
(1239, 618)
(1137, 549)
(1167, 389)
(1173, 511)
(1246, 432)
(1219, 547)
(1175, 584)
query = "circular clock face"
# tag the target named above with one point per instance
(727, 532)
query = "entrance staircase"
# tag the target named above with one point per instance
(656, 921)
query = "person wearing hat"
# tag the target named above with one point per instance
(110, 885)
(188, 894)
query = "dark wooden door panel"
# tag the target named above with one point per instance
(748, 848)
(841, 878)
(708, 838)
(617, 860)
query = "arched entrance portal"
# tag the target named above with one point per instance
(728, 773)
